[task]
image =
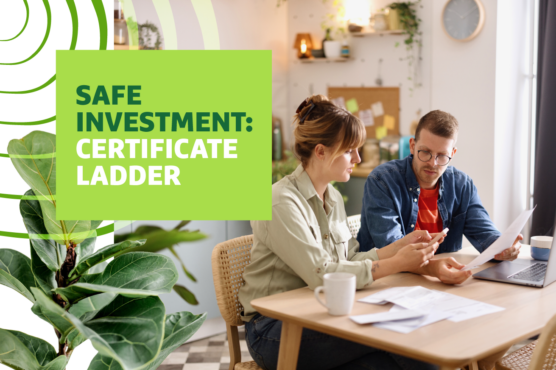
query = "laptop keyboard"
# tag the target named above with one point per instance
(534, 272)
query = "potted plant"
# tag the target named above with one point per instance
(115, 306)
(410, 22)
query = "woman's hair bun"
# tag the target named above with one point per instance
(319, 121)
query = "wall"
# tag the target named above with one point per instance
(242, 25)
(463, 83)
(305, 79)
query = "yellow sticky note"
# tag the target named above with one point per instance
(352, 105)
(389, 122)
(381, 132)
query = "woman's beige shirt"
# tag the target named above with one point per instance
(301, 243)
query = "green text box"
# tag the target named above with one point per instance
(208, 84)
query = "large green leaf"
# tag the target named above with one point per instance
(85, 310)
(127, 330)
(137, 274)
(30, 156)
(74, 339)
(44, 277)
(179, 327)
(49, 311)
(15, 272)
(97, 269)
(186, 294)
(87, 246)
(58, 364)
(16, 354)
(102, 255)
(41, 350)
(159, 239)
(48, 250)
(91, 305)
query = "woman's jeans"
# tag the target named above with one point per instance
(321, 351)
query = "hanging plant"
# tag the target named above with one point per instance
(332, 21)
(413, 42)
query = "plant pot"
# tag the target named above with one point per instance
(332, 49)
(394, 19)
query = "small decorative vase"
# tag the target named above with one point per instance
(332, 49)
(394, 19)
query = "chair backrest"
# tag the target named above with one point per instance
(229, 260)
(354, 223)
(544, 355)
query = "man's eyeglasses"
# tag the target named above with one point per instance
(441, 159)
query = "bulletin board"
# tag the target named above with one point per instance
(364, 98)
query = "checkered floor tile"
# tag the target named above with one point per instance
(207, 354)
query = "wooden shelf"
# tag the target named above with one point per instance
(324, 60)
(376, 33)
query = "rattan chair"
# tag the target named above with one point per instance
(354, 223)
(229, 260)
(540, 354)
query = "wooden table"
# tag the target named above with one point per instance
(448, 344)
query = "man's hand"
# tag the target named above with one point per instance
(511, 253)
(418, 236)
(447, 270)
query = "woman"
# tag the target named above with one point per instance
(309, 237)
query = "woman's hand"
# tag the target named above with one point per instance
(418, 236)
(413, 256)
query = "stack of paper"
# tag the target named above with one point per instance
(415, 307)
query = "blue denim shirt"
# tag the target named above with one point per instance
(391, 204)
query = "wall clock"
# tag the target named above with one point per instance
(463, 20)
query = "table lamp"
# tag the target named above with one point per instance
(303, 44)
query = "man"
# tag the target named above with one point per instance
(421, 192)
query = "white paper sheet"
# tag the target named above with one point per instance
(339, 102)
(458, 308)
(426, 300)
(366, 116)
(407, 326)
(378, 109)
(383, 296)
(387, 316)
(504, 242)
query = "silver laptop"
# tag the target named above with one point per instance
(523, 272)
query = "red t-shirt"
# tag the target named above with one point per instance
(428, 217)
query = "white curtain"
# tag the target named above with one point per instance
(514, 74)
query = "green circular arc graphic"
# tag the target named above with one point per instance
(75, 27)
(209, 29)
(103, 30)
(25, 25)
(48, 25)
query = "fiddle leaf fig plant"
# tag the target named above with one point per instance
(159, 239)
(109, 297)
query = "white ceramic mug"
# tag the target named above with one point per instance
(339, 289)
(540, 247)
